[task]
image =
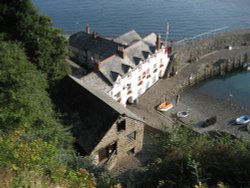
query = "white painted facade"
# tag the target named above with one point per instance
(137, 81)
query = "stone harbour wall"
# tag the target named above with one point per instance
(199, 48)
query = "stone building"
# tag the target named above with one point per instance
(103, 128)
(88, 49)
(125, 67)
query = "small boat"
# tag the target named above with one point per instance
(165, 106)
(242, 120)
(183, 114)
(247, 66)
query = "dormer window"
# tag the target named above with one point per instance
(115, 76)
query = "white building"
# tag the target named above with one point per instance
(125, 70)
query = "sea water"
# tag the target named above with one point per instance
(234, 87)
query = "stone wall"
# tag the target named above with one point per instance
(217, 64)
(202, 47)
(124, 144)
(220, 67)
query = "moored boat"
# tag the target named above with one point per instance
(165, 106)
(183, 114)
(242, 120)
(247, 66)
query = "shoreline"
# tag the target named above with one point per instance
(205, 106)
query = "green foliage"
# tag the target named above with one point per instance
(81, 178)
(24, 180)
(44, 45)
(187, 159)
(22, 98)
(33, 143)
(195, 169)
(31, 138)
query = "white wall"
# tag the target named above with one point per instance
(159, 60)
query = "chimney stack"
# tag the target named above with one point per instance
(121, 52)
(158, 42)
(87, 29)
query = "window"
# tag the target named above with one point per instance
(121, 125)
(155, 66)
(118, 95)
(139, 78)
(128, 86)
(131, 136)
(107, 151)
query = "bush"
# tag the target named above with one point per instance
(187, 159)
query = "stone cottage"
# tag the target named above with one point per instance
(103, 128)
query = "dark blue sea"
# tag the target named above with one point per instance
(187, 18)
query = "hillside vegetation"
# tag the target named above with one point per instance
(187, 159)
(36, 148)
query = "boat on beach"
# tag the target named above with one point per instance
(242, 120)
(165, 106)
(183, 114)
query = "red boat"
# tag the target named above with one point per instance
(165, 106)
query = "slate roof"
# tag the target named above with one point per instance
(97, 111)
(128, 38)
(115, 65)
(98, 45)
(116, 106)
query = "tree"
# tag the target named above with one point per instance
(44, 45)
